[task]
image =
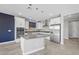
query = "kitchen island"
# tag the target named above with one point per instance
(33, 43)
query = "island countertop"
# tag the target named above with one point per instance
(31, 36)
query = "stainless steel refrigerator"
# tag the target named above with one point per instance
(55, 33)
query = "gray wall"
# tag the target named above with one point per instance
(71, 29)
(74, 29)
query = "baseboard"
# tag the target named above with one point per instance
(66, 38)
(73, 37)
(7, 42)
(28, 53)
(62, 43)
(17, 40)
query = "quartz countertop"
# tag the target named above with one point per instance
(31, 36)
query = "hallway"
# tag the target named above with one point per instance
(71, 47)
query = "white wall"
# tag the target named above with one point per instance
(74, 29)
(62, 29)
(71, 29)
(66, 31)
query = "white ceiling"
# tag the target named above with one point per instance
(72, 17)
(49, 10)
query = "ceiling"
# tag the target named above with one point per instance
(72, 17)
(39, 11)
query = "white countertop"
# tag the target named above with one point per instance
(32, 36)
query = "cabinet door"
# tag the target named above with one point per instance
(39, 25)
(26, 24)
(20, 22)
(55, 21)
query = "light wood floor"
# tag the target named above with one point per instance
(10, 49)
(71, 47)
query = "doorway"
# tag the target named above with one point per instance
(74, 29)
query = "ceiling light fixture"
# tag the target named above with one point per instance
(30, 4)
(29, 8)
(36, 8)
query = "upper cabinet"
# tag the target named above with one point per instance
(39, 25)
(26, 24)
(55, 21)
(20, 22)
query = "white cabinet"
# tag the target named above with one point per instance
(39, 25)
(19, 22)
(32, 45)
(55, 21)
(26, 24)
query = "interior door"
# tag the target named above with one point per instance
(6, 28)
(55, 36)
